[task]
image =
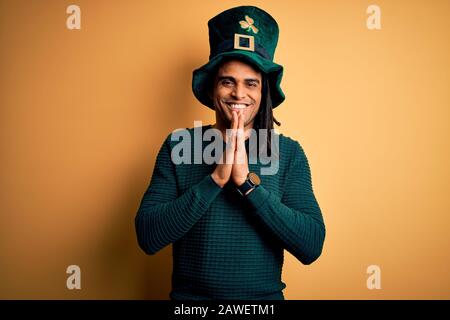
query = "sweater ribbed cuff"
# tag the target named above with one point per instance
(258, 196)
(207, 189)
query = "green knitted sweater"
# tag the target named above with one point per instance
(226, 246)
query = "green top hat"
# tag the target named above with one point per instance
(248, 34)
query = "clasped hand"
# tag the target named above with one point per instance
(234, 164)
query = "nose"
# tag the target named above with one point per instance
(238, 92)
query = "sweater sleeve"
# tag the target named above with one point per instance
(296, 218)
(164, 216)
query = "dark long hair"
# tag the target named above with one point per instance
(265, 119)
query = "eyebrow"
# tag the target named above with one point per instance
(234, 80)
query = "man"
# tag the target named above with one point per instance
(229, 224)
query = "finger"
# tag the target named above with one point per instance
(241, 153)
(235, 120)
(229, 131)
(231, 139)
(240, 131)
(241, 120)
(234, 127)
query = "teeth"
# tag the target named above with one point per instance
(238, 106)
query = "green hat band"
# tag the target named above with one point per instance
(229, 45)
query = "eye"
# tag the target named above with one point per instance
(227, 82)
(253, 84)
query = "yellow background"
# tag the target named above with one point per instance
(84, 112)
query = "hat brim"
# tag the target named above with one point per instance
(202, 77)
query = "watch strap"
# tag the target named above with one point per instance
(244, 188)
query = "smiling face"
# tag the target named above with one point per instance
(237, 86)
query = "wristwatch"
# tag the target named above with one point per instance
(252, 182)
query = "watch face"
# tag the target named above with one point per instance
(254, 178)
